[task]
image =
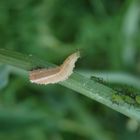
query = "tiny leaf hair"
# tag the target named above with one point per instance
(55, 75)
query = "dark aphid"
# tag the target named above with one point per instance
(99, 80)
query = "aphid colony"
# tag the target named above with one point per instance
(126, 95)
(122, 95)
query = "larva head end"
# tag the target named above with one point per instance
(78, 54)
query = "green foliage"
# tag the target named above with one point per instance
(137, 98)
(4, 73)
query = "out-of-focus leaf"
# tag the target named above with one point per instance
(15, 118)
(130, 29)
(4, 74)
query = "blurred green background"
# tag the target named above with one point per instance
(107, 32)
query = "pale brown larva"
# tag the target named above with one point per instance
(55, 75)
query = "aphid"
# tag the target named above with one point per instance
(97, 79)
(129, 95)
(55, 75)
(120, 99)
(125, 90)
(129, 100)
(117, 99)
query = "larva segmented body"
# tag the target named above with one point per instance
(55, 75)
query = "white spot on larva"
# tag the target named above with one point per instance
(55, 75)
